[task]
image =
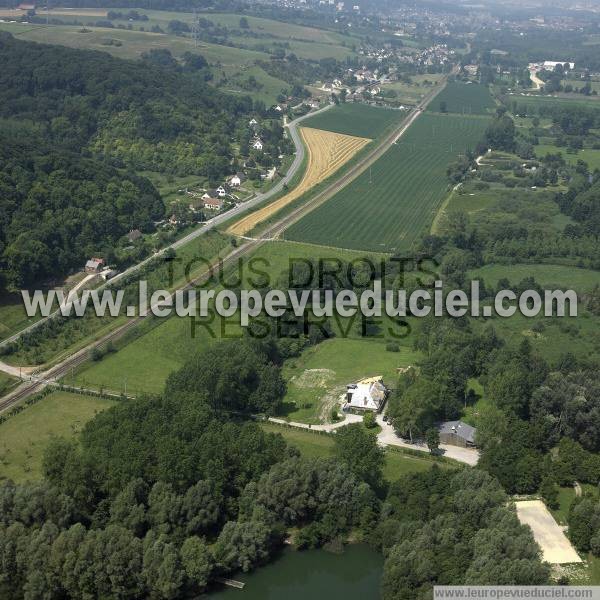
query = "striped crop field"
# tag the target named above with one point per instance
(360, 120)
(327, 152)
(463, 99)
(391, 204)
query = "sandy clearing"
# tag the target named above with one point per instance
(556, 548)
(537, 82)
(327, 152)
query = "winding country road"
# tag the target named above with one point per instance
(260, 198)
(37, 381)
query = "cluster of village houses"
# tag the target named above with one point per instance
(358, 82)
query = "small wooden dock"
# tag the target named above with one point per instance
(231, 582)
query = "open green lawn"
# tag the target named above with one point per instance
(7, 383)
(353, 118)
(389, 206)
(566, 495)
(464, 99)
(550, 276)
(319, 376)
(589, 155)
(24, 436)
(314, 445)
(144, 363)
(12, 315)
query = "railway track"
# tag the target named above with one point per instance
(53, 374)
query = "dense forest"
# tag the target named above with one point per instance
(75, 127)
(162, 495)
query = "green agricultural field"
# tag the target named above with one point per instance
(24, 437)
(226, 60)
(319, 376)
(234, 79)
(390, 205)
(134, 43)
(464, 99)
(314, 445)
(276, 28)
(356, 119)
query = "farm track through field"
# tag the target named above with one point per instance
(392, 203)
(327, 152)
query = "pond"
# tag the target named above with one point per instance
(353, 575)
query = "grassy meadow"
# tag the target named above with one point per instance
(392, 203)
(24, 436)
(190, 261)
(318, 377)
(7, 383)
(314, 445)
(230, 66)
(315, 379)
(12, 315)
(163, 345)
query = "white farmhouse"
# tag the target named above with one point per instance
(368, 394)
(257, 145)
(237, 179)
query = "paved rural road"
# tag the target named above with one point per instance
(387, 437)
(36, 382)
(208, 226)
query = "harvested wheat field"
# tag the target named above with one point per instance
(327, 152)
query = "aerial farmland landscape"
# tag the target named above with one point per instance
(299, 299)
